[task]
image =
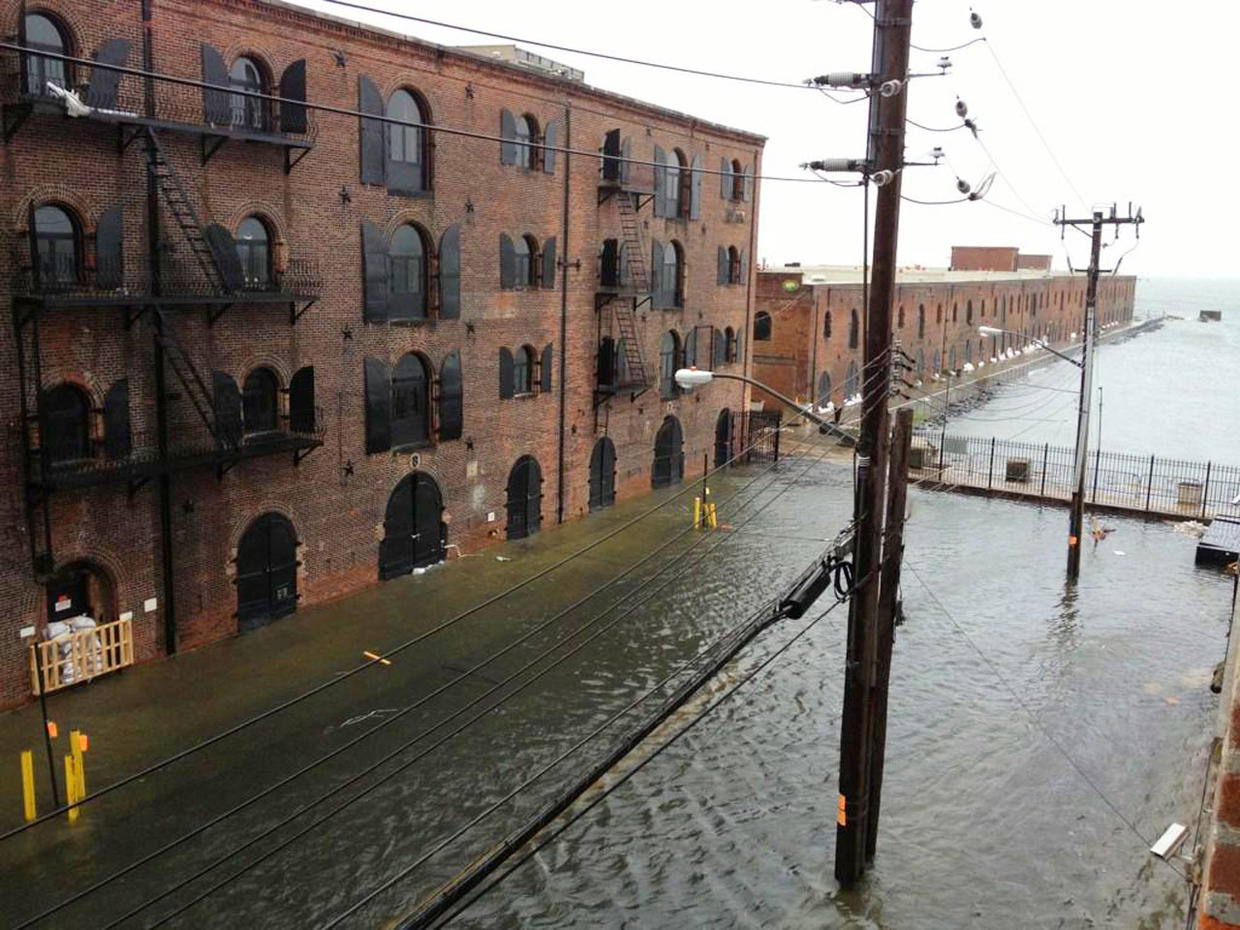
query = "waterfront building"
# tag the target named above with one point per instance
(263, 354)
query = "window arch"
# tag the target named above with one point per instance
(527, 132)
(46, 33)
(674, 181)
(669, 358)
(407, 164)
(968, 313)
(246, 74)
(761, 326)
(523, 370)
(921, 321)
(57, 240)
(824, 388)
(850, 382)
(826, 324)
(854, 329)
(411, 418)
(254, 251)
(900, 318)
(955, 310)
(260, 402)
(738, 180)
(671, 276)
(527, 261)
(65, 423)
(407, 269)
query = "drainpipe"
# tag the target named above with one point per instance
(568, 144)
(813, 365)
(746, 391)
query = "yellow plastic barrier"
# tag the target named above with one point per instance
(28, 802)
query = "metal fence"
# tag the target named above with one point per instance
(763, 433)
(1139, 483)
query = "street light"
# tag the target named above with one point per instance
(1076, 515)
(696, 377)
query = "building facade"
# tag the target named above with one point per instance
(809, 333)
(264, 354)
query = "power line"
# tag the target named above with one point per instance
(423, 753)
(357, 114)
(602, 795)
(567, 48)
(913, 122)
(953, 48)
(1033, 717)
(323, 686)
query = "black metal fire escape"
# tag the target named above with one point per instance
(622, 293)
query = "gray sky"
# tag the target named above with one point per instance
(1123, 90)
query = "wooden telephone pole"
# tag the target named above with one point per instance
(892, 32)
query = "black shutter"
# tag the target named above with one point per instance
(505, 373)
(378, 406)
(508, 135)
(224, 251)
(720, 347)
(725, 179)
(721, 272)
(293, 87)
(744, 269)
(611, 156)
(373, 137)
(608, 273)
(450, 273)
(548, 263)
(656, 275)
(117, 440)
(606, 363)
(451, 398)
(374, 274)
(101, 91)
(747, 179)
(689, 353)
(507, 263)
(626, 166)
(227, 409)
(660, 182)
(551, 141)
(109, 249)
(215, 105)
(301, 401)
(695, 188)
(546, 364)
(740, 349)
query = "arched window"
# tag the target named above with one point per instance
(955, 308)
(669, 358)
(523, 370)
(248, 112)
(951, 359)
(405, 141)
(527, 132)
(729, 343)
(259, 396)
(65, 423)
(738, 180)
(826, 324)
(921, 321)
(411, 419)
(921, 364)
(824, 388)
(938, 314)
(407, 275)
(254, 251)
(734, 265)
(968, 313)
(523, 248)
(900, 318)
(968, 351)
(672, 275)
(761, 326)
(850, 382)
(854, 329)
(45, 34)
(56, 240)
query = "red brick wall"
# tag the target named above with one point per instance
(336, 497)
(1033, 262)
(984, 258)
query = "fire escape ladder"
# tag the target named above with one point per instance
(626, 326)
(35, 459)
(195, 387)
(636, 248)
(182, 210)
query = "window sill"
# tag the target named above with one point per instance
(412, 446)
(525, 395)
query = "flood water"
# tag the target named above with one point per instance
(1028, 721)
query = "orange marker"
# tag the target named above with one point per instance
(842, 817)
(83, 741)
(51, 729)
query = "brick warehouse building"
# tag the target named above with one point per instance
(809, 336)
(263, 355)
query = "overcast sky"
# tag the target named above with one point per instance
(1128, 93)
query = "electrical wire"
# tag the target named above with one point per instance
(954, 48)
(357, 114)
(425, 752)
(843, 103)
(913, 122)
(344, 676)
(1033, 717)
(566, 48)
(935, 203)
(537, 846)
(1025, 216)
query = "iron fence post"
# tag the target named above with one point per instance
(1205, 492)
(1097, 462)
(1046, 451)
(1149, 485)
(990, 470)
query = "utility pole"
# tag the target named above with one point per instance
(1076, 514)
(892, 31)
(888, 609)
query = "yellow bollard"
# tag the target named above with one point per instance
(697, 512)
(71, 795)
(714, 521)
(77, 744)
(28, 804)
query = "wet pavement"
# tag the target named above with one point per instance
(985, 821)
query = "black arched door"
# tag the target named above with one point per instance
(414, 533)
(669, 454)
(603, 474)
(266, 572)
(524, 498)
(723, 438)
